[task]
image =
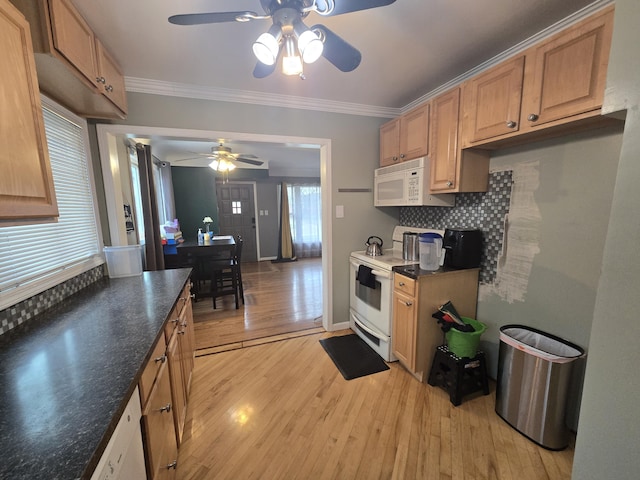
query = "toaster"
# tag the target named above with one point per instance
(463, 247)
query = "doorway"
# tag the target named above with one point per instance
(108, 143)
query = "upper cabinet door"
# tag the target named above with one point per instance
(73, 37)
(444, 141)
(26, 182)
(569, 71)
(492, 101)
(110, 79)
(414, 133)
(390, 143)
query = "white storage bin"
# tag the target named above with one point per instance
(125, 261)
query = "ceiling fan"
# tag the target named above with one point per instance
(289, 38)
(222, 158)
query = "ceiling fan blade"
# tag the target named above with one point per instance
(186, 159)
(216, 17)
(341, 54)
(250, 161)
(348, 6)
(261, 70)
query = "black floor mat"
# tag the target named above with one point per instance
(353, 357)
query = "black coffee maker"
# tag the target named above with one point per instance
(463, 247)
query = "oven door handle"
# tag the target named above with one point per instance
(377, 273)
(367, 329)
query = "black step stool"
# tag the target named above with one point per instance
(458, 376)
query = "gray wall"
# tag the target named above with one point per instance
(354, 156)
(571, 181)
(609, 430)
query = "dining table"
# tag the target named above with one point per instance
(198, 254)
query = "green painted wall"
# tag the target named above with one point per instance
(194, 189)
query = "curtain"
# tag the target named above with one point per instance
(305, 213)
(286, 250)
(154, 257)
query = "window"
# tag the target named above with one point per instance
(37, 257)
(137, 196)
(236, 208)
(305, 216)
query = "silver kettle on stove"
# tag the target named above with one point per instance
(374, 248)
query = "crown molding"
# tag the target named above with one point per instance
(171, 89)
(516, 49)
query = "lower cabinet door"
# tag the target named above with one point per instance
(404, 329)
(160, 438)
(174, 354)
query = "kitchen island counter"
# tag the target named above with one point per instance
(67, 375)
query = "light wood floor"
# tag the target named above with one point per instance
(282, 410)
(279, 298)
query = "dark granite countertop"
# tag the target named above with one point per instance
(67, 375)
(414, 271)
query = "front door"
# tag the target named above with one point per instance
(236, 215)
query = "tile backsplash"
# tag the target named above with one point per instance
(21, 312)
(483, 211)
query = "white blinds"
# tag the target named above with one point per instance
(36, 257)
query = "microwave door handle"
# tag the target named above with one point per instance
(377, 273)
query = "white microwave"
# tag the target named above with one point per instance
(407, 184)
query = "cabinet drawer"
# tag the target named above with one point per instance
(158, 357)
(404, 284)
(172, 323)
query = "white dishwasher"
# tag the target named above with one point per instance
(123, 459)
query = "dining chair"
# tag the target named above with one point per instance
(226, 278)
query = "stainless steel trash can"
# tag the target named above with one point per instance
(534, 373)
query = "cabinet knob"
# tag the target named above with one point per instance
(181, 332)
(395, 159)
(101, 80)
(408, 304)
(401, 284)
(161, 359)
(173, 465)
(109, 88)
(166, 408)
(402, 155)
(511, 124)
(533, 117)
(175, 320)
(449, 183)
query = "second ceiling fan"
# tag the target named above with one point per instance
(222, 158)
(289, 38)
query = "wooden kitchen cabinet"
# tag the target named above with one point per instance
(555, 87)
(110, 78)
(164, 389)
(71, 62)
(406, 137)
(492, 101)
(416, 334)
(161, 449)
(453, 169)
(180, 354)
(27, 192)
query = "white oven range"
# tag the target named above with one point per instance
(371, 306)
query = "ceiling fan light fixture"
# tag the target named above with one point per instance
(266, 47)
(222, 165)
(291, 61)
(310, 46)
